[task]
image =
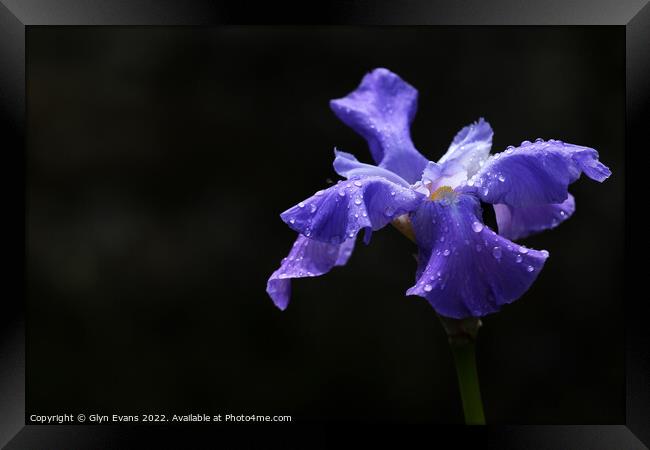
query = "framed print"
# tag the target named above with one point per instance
(232, 218)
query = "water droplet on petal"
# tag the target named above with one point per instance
(357, 183)
(496, 252)
(342, 193)
(392, 193)
(351, 234)
(538, 140)
(301, 204)
(525, 143)
(545, 253)
(470, 182)
(428, 287)
(442, 239)
(313, 208)
(485, 190)
(477, 227)
(292, 221)
(530, 268)
(389, 211)
(357, 201)
(446, 252)
(319, 193)
(518, 258)
(523, 250)
(502, 178)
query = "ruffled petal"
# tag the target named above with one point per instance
(346, 165)
(381, 110)
(338, 213)
(470, 147)
(451, 173)
(536, 173)
(307, 258)
(518, 223)
(464, 268)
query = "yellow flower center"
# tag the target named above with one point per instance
(441, 193)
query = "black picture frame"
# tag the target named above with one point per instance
(17, 15)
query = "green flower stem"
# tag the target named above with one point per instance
(464, 356)
(462, 340)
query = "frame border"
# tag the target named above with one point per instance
(17, 15)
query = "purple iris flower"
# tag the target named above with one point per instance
(464, 268)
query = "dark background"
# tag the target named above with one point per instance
(159, 160)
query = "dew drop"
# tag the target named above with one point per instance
(313, 208)
(342, 193)
(502, 178)
(485, 190)
(351, 234)
(496, 252)
(319, 193)
(518, 258)
(470, 182)
(301, 205)
(538, 140)
(392, 193)
(357, 201)
(523, 250)
(530, 268)
(525, 143)
(545, 253)
(357, 183)
(446, 252)
(477, 227)
(389, 211)
(292, 221)
(428, 287)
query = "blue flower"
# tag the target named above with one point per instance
(464, 268)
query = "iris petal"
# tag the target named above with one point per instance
(307, 258)
(464, 268)
(535, 173)
(381, 110)
(469, 148)
(518, 223)
(338, 213)
(346, 165)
